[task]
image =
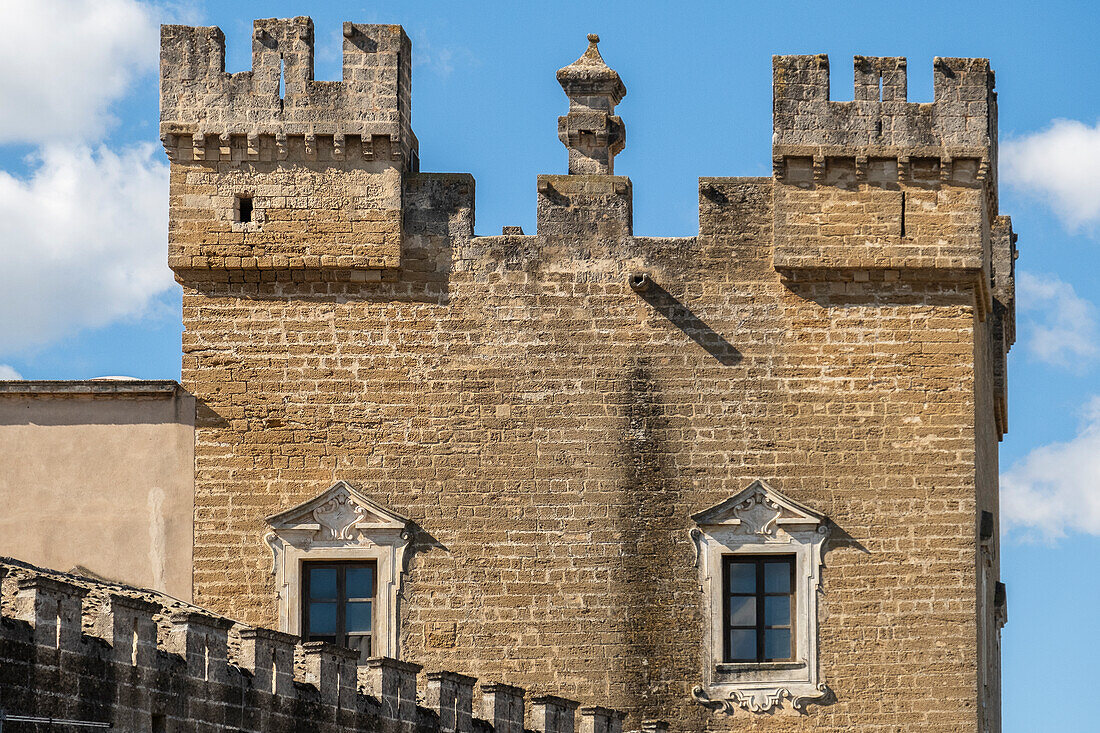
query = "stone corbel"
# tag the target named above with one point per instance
(764, 700)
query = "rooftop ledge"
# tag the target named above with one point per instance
(102, 387)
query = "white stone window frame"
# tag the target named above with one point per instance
(760, 521)
(341, 524)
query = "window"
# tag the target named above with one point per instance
(339, 562)
(338, 603)
(759, 594)
(759, 556)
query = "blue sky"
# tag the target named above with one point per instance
(84, 290)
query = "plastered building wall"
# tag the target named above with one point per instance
(99, 475)
(550, 430)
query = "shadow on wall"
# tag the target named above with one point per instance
(681, 316)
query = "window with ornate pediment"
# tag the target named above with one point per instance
(759, 556)
(325, 536)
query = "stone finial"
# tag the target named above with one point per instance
(591, 131)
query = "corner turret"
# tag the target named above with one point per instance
(881, 187)
(276, 171)
(591, 131)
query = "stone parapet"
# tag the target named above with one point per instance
(279, 98)
(207, 670)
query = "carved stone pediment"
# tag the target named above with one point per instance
(760, 510)
(339, 514)
(760, 521)
(340, 524)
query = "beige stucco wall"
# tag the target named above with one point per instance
(99, 475)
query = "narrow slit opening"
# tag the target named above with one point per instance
(903, 213)
(244, 209)
(282, 77)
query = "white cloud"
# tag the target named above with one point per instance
(439, 60)
(83, 241)
(1060, 165)
(1056, 488)
(65, 61)
(1060, 326)
(7, 372)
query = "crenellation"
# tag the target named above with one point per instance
(53, 607)
(502, 705)
(127, 624)
(595, 719)
(451, 695)
(332, 669)
(960, 122)
(880, 79)
(279, 96)
(569, 399)
(202, 641)
(269, 656)
(192, 679)
(394, 684)
(554, 714)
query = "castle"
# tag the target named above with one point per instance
(744, 479)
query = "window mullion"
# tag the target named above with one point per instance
(341, 605)
(305, 602)
(760, 610)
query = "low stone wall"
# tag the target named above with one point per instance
(80, 649)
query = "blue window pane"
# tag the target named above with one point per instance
(322, 618)
(742, 611)
(777, 611)
(361, 644)
(357, 616)
(322, 583)
(777, 644)
(742, 644)
(360, 582)
(742, 577)
(777, 577)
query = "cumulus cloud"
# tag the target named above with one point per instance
(1060, 165)
(7, 372)
(1059, 326)
(66, 61)
(1056, 488)
(83, 241)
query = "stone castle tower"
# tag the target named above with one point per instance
(561, 454)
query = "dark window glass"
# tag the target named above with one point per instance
(759, 601)
(337, 604)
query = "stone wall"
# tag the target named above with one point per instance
(77, 649)
(550, 410)
(100, 474)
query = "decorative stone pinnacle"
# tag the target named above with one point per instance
(591, 131)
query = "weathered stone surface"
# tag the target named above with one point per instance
(550, 410)
(81, 649)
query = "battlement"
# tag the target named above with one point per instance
(279, 96)
(149, 657)
(880, 122)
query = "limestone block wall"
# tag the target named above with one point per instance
(549, 411)
(331, 210)
(76, 649)
(550, 432)
(229, 134)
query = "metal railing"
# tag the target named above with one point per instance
(49, 721)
